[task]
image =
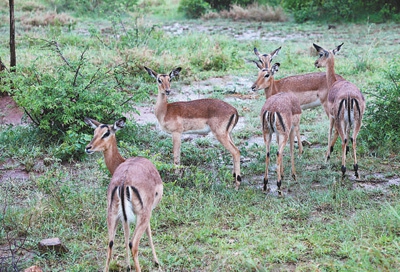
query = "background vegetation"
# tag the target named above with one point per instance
(73, 63)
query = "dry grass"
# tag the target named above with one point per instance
(253, 12)
(50, 18)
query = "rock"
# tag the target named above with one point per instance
(52, 244)
(33, 269)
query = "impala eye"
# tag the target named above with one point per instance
(159, 81)
(106, 134)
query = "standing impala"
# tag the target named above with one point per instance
(346, 107)
(266, 81)
(281, 115)
(197, 116)
(134, 191)
(311, 89)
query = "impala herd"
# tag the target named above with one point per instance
(136, 186)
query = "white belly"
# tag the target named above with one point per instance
(311, 105)
(204, 130)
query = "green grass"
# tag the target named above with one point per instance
(202, 223)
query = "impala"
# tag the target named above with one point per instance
(311, 89)
(346, 106)
(197, 116)
(134, 191)
(281, 115)
(266, 80)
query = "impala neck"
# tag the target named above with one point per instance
(112, 157)
(161, 104)
(272, 89)
(330, 72)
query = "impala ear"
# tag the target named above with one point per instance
(275, 53)
(318, 48)
(337, 49)
(91, 122)
(321, 51)
(275, 68)
(119, 124)
(151, 72)
(175, 72)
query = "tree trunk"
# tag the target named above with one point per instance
(13, 58)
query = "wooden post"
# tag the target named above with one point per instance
(13, 58)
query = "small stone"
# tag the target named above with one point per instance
(34, 268)
(52, 244)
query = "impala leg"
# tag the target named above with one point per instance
(354, 140)
(127, 246)
(176, 143)
(296, 128)
(330, 147)
(341, 131)
(141, 226)
(334, 139)
(300, 144)
(291, 139)
(148, 231)
(226, 140)
(279, 168)
(267, 140)
(112, 221)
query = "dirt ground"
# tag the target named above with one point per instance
(10, 113)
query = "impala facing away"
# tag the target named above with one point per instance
(266, 80)
(346, 106)
(311, 89)
(134, 191)
(280, 114)
(197, 116)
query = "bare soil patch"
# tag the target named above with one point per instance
(10, 113)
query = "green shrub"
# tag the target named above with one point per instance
(381, 126)
(194, 8)
(56, 100)
(226, 4)
(342, 10)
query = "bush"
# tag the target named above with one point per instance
(194, 8)
(381, 126)
(57, 100)
(255, 12)
(226, 4)
(342, 10)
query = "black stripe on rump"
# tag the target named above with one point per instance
(349, 106)
(357, 106)
(128, 194)
(122, 196)
(271, 121)
(340, 108)
(230, 122)
(263, 119)
(281, 121)
(137, 194)
(112, 194)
